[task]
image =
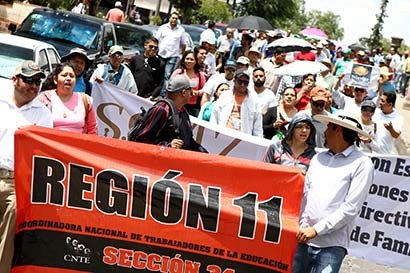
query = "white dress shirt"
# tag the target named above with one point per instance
(336, 185)
(12, 118)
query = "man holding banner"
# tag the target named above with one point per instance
(336, 185)
(18, 107)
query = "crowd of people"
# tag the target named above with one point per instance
(231, 82)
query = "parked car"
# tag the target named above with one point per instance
(131, 37)
(66, 30)
(194, 32)
(14, 50)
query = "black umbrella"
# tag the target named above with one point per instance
(250, 22)
(357, 46)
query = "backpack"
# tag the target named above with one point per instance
(139, 121)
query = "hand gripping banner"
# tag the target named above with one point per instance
(92, 204)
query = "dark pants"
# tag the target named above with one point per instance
(404, 83)
(310, 259)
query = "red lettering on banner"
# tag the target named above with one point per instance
(110, 255)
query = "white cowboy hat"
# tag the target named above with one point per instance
(344, 121)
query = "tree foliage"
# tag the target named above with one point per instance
(274, 11)
(186, 8)
(298, 21)
(291, 15)
(212, 10)
(54, 4)
(328, 22)
(375, 40)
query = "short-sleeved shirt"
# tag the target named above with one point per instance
(170, 40)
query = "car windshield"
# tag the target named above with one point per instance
(11, 56)
(131, 38)
(65, 30)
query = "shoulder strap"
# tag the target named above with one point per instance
(86, 105)
(174, 113)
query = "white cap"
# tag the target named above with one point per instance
(118, 4)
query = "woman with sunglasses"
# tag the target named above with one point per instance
(368, 108)
(71, 111)
(189, 67)
(298, 147)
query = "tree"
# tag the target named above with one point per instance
(275, 11)
(375, 40)
(328, 22)
(54, 4)
(212, 10)
(298, 21)
(186, 8)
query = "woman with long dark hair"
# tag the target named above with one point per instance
(71, 111)
(190, 67)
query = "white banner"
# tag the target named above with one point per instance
(382, 230)
(116, 110)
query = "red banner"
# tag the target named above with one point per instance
(92, 204)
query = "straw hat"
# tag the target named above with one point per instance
(344, 121)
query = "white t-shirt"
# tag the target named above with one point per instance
(265, 100)
(385, 141)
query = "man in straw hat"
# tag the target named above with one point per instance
(336, 185)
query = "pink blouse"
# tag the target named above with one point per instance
(71, 115)
(199, 80)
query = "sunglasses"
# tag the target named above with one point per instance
(242, 82)
(359, 90)
(318, 104)
(30, 80)
(153, 47)
(367, 109)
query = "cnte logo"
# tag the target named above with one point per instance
(77, 252)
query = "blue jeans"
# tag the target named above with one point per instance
(310, 259)
(398, 82)
(405, 82)
(170, 65)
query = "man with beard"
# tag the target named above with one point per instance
(264, 97)
(148, 70)
(18, 107)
